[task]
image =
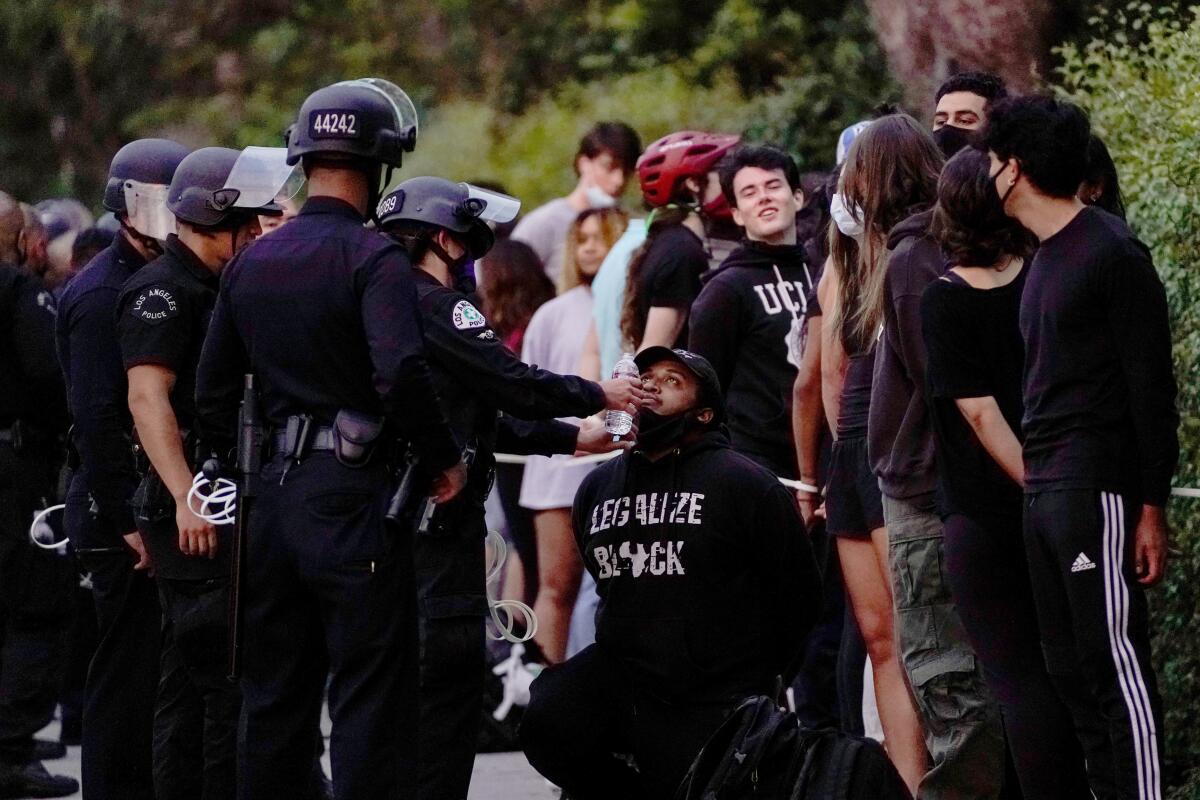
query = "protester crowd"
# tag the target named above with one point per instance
(904, 434)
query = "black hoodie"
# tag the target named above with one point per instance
(707, 583)
(747, 322)
(899, 432)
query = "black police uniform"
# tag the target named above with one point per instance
(476, 375)
(119, 705)
(162, 316)
(324, 313)
(35, 585)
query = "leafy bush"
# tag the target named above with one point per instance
(1139, 78)
(771, 74)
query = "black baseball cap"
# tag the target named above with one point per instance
(710, 395)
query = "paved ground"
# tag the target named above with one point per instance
(498, 776)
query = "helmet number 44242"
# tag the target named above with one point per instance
(333, 123)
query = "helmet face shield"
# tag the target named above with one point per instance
(489, 206)
(406, 112)
(260, 176)
(146, 209)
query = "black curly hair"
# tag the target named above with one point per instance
(988, 86)
(1048, 137)
(968, 220)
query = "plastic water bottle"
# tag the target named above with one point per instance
(619, 423)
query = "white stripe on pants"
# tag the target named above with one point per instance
(1129, 671)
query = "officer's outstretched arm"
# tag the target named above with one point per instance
(461, 340)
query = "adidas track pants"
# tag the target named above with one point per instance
(1095, 634)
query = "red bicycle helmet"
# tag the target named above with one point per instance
(680, 155)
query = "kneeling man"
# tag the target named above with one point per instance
(707, 589)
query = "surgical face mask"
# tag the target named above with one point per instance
(146, 209)
(849, 221)
(598, 198)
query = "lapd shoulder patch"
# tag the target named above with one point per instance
(333, 123)
(466, 316)
(154, 304)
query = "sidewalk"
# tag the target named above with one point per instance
(498, 776)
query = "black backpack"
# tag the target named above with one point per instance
(762, 753)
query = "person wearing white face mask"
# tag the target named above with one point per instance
(605, 160)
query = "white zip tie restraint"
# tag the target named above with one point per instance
(504, 627)
(42, 535)
(213, 501)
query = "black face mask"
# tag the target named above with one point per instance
(461, 269)
(951, 138)
(1007, 192)
(657, 432)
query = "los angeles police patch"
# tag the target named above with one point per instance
(466, 316)
(154, 305)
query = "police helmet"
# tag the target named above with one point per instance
(63, 215)
(457, 207)
(147, 161)
(218, 186)
(367, 118)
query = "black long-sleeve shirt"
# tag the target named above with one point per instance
(324, 313)
(899, 432)
(1099, 382)
(33, 385)
(90, 357)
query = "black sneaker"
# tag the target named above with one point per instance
(46, 750)
(32, 780)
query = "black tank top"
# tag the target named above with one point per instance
(856, 396)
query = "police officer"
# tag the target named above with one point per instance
(35, 585)
(119, 702)
(323, 312)
(444, 228)
(162, 316)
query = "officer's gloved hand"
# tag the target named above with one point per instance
(593, 438)
(447, 485)
(624, 394)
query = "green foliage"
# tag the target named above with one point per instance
(769, 73)
(504, 87)
(1139, 79)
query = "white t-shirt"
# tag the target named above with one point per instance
(554, 341)
(545, 230)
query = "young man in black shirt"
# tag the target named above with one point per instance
(969, 322)
(1100, 440)
(707, 590)
(748, 316)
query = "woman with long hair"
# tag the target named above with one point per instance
(890, 171)
(554, 341)
(512, 285)
(975, 364)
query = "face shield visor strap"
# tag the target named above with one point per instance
(454, 265)
(488, 206)
(146, 210)
(379, 176)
